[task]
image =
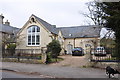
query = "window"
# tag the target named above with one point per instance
(33, 35)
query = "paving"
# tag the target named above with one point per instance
(10, 74)
(55, 71)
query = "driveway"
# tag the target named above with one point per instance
(72, 61)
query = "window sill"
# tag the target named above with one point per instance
(33, 45)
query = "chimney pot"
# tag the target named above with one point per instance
(7, 23)
(1, 18)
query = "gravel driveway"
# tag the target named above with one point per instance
(72, 61)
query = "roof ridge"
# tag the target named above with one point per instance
(72, 27)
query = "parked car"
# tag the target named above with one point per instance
(100, 51)
(78, 51)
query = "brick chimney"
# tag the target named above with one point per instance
(1, 18)
(7, 23)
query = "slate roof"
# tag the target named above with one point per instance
(67, 32)
(8, 29)
(72, 32)
(51, 28)
(80, 31)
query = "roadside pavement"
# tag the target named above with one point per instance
(9, 74)
(55, 71)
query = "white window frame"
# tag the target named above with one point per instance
(33, 33)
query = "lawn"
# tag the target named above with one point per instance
(58, 59)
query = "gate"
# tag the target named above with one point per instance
(103, 56)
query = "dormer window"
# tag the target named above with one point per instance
(33, 35)
(70, 34)
(94, 27)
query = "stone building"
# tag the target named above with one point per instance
(7, 32)
(37, 33)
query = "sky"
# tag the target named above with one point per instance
(62, 13)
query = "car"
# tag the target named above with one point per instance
(100, 51)
(78, 51)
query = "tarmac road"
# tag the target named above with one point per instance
(55, 71)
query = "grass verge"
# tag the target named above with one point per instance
(31, 61)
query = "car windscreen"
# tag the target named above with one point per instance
(79, 49)
(99, 48)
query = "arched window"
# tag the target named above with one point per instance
(33, 34)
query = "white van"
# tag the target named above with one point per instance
(100, 51)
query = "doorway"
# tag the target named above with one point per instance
(69, 49)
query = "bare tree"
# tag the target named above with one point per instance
(108, 34)
(7, 39)
(95, 13)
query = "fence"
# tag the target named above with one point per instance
(103, 55)
(22, 53)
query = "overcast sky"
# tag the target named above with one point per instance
(62, 13)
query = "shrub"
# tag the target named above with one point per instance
(11, 46)
(11, 49)
(54, 48)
